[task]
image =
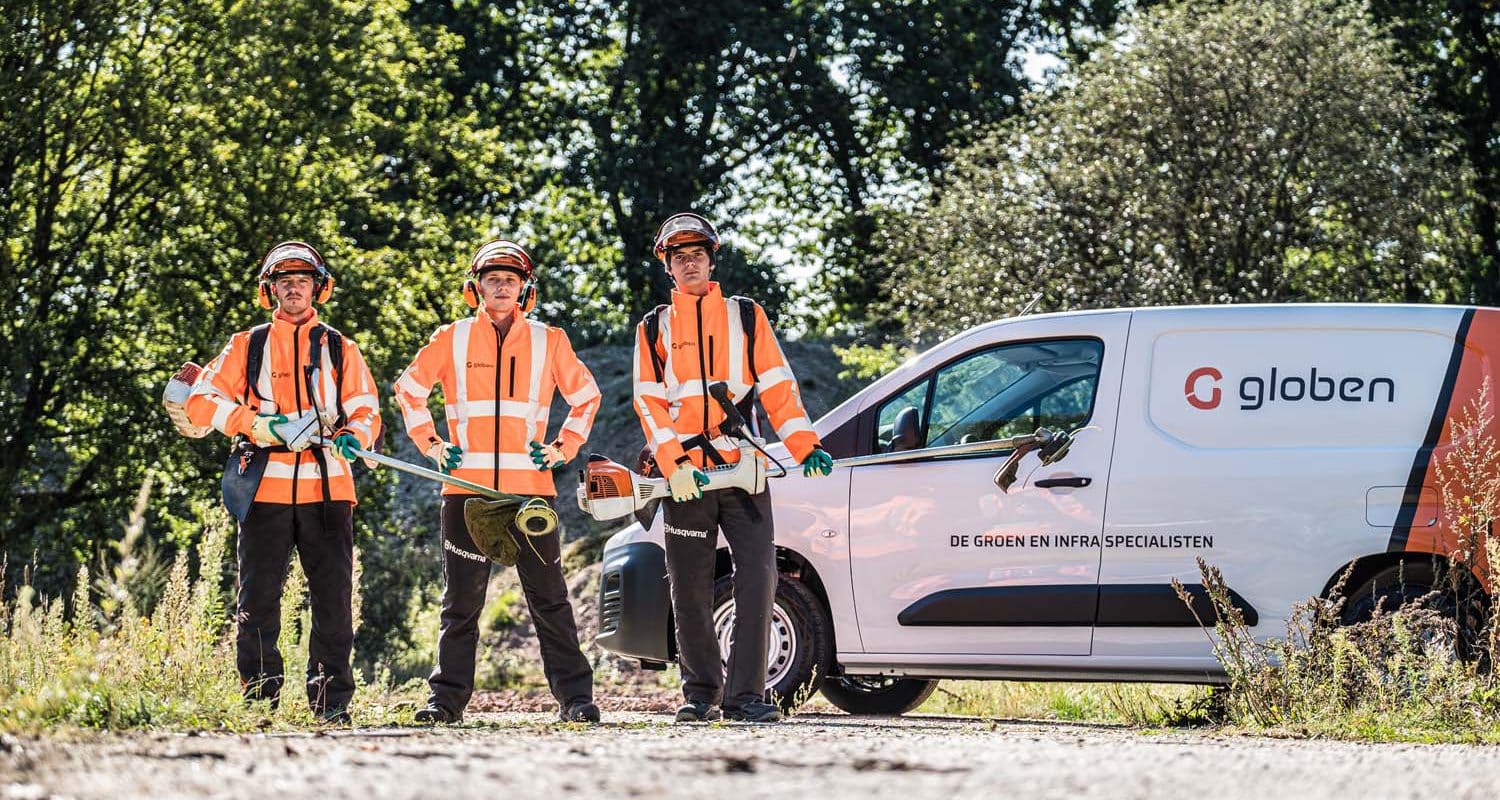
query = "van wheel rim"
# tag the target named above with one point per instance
(782, 651)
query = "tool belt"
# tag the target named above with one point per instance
(245, 467)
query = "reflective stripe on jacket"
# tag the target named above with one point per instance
(497, 397)
(218, 399)
(701, 342)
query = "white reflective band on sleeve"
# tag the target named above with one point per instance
(577, 425)
(361, 427)
(307, 471)
(775, 377)
(794, 425)
(415, 417)
(487, 461)
(461, 375)
(222, 409)
(409, 384)
(359, 403)
(659, 435)
(583, 395)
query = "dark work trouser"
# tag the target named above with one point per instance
(692, 541)
(466, 577)
(323, 534)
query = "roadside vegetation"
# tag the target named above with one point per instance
(1409, 661)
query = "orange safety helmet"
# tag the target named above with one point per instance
(682, 230)
(507, 255)
(294, 258)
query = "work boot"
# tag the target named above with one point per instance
(432, 714)
(334, 716)
(753, 711)
(579, 712)
(697, 711)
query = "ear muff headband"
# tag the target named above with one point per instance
(527, 300)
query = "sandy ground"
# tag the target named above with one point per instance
(635, 754)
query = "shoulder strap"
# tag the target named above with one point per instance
(335, 340)
(258, 336)
(653, 333)
(747, 324)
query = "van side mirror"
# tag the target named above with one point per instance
(907, 433)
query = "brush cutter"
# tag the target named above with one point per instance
(488, 517)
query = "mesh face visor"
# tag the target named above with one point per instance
(684, 229)
(292, 257)
(501, 255)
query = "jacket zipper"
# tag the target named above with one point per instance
(710, 356)
(297, 390)
(703, 373)
(495, 472)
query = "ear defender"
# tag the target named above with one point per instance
(471, 294)
(325, 291)
(528, 298)
(263, 294)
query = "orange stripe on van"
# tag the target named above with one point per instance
(1476, 341)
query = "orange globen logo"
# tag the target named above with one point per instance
(1215, 394)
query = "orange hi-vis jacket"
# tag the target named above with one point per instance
(702, 341)
(497, 397)
(219, 398)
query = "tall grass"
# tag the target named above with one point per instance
(1420, 672)
(111, 665)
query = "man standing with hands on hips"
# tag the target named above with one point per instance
(702, 337)
(498, 371)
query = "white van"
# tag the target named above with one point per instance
(1279, 443)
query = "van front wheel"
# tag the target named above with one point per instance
(801, 651)
(876, 695)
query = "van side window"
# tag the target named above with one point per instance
(899, 423)
(1013, 390)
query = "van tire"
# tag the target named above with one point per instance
(808, 655)
(878, 696)
(1407, 582)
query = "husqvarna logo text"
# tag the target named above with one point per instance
(1256, 391)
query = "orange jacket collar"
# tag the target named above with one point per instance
(684, 301)
(281, 320)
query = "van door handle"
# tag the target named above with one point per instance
(1072, 483)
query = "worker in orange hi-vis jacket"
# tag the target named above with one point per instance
(702, 337)
(498, 371)
(278, 387)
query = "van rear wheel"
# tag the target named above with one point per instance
(876, 695)
(1416, 581)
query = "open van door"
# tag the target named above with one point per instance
(943, 560)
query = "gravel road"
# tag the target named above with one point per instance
(525, 755)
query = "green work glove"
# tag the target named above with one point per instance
(818, 463)
(345, 444)
(687, 482)
(446, 456)
(263, 430)
(547, 456)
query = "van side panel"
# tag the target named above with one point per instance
(1470, 375)
(1275, 443)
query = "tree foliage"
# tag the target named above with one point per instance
(1253, 151)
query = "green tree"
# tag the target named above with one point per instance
(1254, 151)
(1453, 49)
